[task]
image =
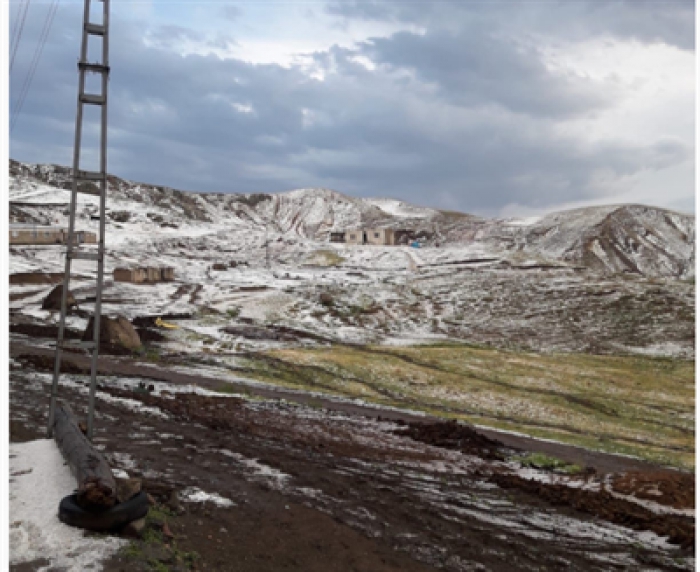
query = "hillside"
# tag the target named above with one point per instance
(627, 238)
(523, 382)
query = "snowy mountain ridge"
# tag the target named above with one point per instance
(611, 239)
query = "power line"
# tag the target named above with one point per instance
(35, 62)
(18, 36)
(20, 5)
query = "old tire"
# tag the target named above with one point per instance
(111, 519)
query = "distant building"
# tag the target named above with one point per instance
(84, 237)
(376, 236)
(134, 275)
(144, 275)
(379, 236)
(35, 234)
(337, 237)
(153, 274)
(355, 236)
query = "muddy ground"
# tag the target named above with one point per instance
(320, 486)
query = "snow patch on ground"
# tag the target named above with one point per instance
(193, 494)
(258, 469)
(39, 480)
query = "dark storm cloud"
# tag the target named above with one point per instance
(486, 69)
(458, 117)
(671, 21)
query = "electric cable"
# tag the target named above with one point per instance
(35, 62)
(18, 36)
(18, 17)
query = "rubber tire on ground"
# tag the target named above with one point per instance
(111, 519)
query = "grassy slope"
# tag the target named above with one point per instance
(632, 405)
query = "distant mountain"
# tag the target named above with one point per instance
(627, 238)
(624, 238)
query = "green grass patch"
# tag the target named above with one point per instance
(547, 463)
(137, 551)
(632, 405)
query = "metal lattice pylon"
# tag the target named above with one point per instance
(84, 182)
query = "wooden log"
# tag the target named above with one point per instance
(97, 489)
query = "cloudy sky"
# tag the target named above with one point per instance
(493, 107)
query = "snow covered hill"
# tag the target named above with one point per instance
(627, 238)
(604, 279)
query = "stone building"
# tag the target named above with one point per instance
(145, 275)
(153, 274)
(379, 236)
(35, 234)
(375, 236)
(355, 236)
(134, 275)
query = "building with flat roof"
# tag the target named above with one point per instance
(375, 236)
(38, 234)
(144, 274)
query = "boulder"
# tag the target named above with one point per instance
(114, 332)
(120, 216)
(219, 266)
(53, 300)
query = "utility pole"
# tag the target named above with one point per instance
(84, 182)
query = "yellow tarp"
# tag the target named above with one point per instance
(161, 324)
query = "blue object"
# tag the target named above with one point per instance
(415, 244)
